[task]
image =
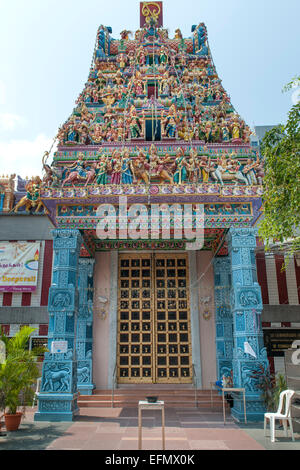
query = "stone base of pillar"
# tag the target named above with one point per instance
(86, 389)
(255, 407)
(57, 408)
(57, 400)
(84, 376)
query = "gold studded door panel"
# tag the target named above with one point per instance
(135, 322)
(154, 319)
(172, 319)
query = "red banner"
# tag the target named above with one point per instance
(151, 10)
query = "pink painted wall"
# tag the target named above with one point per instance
(207, 327)
(101, 346)
(101, 326)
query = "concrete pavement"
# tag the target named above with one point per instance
(117, 429)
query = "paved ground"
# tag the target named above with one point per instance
(117, 429)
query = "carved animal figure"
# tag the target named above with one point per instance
(159, 166)
(248, 298)
(38, 204)
(61, 376)
(141, 170)
(248, 380)
(52, 175)
(61, 300)
(83, 374)
(73, 176)
(32, 199)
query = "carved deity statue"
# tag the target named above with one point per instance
(102, 167)
(164, 88)
(159, 166)
(138, 84)
(116, 165)
(141, 168)
(96, 133)
(178, 34)
(171, 125)
(32, 200)
(180, 175)
(135, 125)
(127, 169)
(78, 173)
(125, 35)
(192, 166)
(122, 60)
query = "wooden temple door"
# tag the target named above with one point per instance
(154, 337)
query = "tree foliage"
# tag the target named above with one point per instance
(281, 200)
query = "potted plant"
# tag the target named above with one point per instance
(18, 374)
(280, 386)
(270, 385)
(265, 382)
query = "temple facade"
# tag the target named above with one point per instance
(154, 192)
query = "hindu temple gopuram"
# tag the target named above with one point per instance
(133, 301)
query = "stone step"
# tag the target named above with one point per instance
(136, 400)
(118, 404)
(142, 396)
(85, 401)
(154, 392)
(172, 398)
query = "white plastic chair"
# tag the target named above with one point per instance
(37, 390)
(285, 416)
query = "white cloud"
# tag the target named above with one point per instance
(9, 121)
(24, 157)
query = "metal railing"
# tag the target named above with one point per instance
(195, 385)
(114, 385)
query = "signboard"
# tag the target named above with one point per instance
(59, 347)
(151, 10)
(19, 264)
(39, 343)
(278, 341)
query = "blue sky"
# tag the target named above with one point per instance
(46, 49)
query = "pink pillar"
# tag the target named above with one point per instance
(101, 345)
(207, 326)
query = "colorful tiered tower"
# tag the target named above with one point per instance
(152, 126)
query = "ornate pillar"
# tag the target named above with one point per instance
(2, 196)
(58, 395)
(246, 306)
(84, 340)
(224, 333)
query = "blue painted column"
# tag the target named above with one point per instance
(224, 321)
(2, 196)
(58, 396)
(84, 341)
(246, 306)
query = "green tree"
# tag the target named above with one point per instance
(281, 200)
